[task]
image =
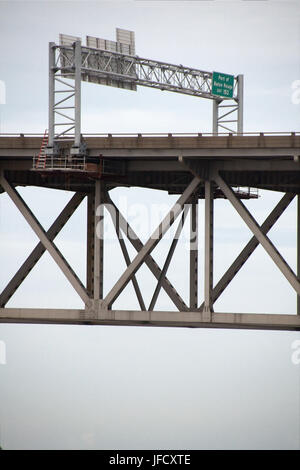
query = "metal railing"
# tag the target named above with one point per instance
(247, 192)
(64, 162)
(156, 134)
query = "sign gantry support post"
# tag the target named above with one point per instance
(240, 102)
(228, 113)
(64, 114)
(51, 94)
(77, 66)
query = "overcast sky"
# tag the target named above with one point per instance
(127, 387)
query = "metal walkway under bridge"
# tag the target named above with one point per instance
(193, 166)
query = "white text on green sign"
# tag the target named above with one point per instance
(222, 85)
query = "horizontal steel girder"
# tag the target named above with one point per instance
(157, 318)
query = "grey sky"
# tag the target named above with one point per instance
(112, 387)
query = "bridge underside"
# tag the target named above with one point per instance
(192, 167)
(263, 162)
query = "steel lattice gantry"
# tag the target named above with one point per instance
(192, 167)
(71, 60)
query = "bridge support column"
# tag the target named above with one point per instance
(90, 244)
(208, 256)
(194, 254)
(98, 240)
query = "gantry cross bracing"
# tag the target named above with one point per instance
(192, 166)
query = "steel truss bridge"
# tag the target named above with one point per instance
(194, 167)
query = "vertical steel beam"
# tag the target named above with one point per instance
(98, 240)
(90, 244)
(194, 254)
(51, 94)
(215, 117)
(208, 255)
(298, 250)
(261, 237)
(77, 76)
(240, 111)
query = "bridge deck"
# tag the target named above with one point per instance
(163, 141)
(264, 161)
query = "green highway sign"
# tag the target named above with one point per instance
(222, 85)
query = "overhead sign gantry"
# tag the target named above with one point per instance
(114, 63)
